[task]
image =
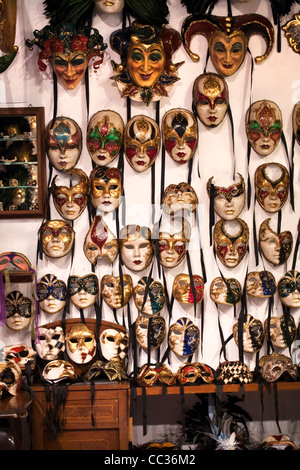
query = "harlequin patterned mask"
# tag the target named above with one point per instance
(51, 343)
(152, 328)
(83, 291)
(155, 300)
(100, 242)
(59, 370)
(114, 344)
(274, 366)
(51, 294)
(180, 134)
(253, 334)
(179, 197)
(136, 247)
(264, 126)
(182, 288)
(271, 186)
(289, 289)
(106, 188)
(18, 311)
(63, 143)
(20, 354)
(105, 136)
(141, 142)
(184, 337)
(172, 239)
(109, 6)
(225, 291)
(260, 284)
(296, 122)
(57, 238)
(281, 333)
(71, 202)
(210, 99)
(114, 292)
(228, 202)
(276, 248)
(233, 372)
(231, 241)
(10, 378)
(80, 344)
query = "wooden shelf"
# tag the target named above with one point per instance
(19, 276)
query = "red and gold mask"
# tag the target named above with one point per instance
(183, 291)
(172, 242)
(142, 142)
(271, 186)
(71, 202)
(179, 198)
(264, 126)
(57, 238)
(179, 133)
(210, 99)
(228, 202)
(231, 241)
(106, 188)
(100, 242)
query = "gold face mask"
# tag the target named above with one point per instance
(264, 126)
(71, 202)
(180, 134)
(271, 186)
(179, 197)
(231, 241)
(114, 292)
(100, 242)
(57, 238)
(106, 188)
(80, 344)
(183, 291)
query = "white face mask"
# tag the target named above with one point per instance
(51, 343)
(136, 248)
(81, 344)
(58, 370)
(114, 344)
(20, 354)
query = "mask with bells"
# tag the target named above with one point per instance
(183, 337)
(18, 311)
(109, 6)
(225, 291)
(116, 292)
(114, 344)
(253, 334)
(105, 136)
(210, 99)
(10, 378)
(289, 289)
(233, 372)
(228, 202)
(281, 331)
(80, 344)
(51, 343)
(271, 186)
(274, 367)
(296, 122)
(150, 374)
(141, 142)
(276, 248)
(58, 371)
(180, 134)
(231, 241)
(83, 291)
(71, 202)
(150, 331)
(20, 354)
(179, 197)
(172, 237)
(51, 294)
(182, 288)
(155, 299)
(100, 242)
(136, 247)
(63, 143)
(195, 372)
(260, 284)
(57, 238)
(106, 188)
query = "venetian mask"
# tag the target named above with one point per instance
(20, 354)
(296, 122)
(233, 372)
(183, 291)
(70, 202)
(63, 143)
(227, 38)
(18, 311)
(180, 134)
(80, 344)
(149, 296)
(271, 186)
(141, 142)
(105, 136)
(277, 442)
(225, 291)
(228, 202)
(231, 241)
(136, 247)
(289, 289)
(253, 334)
(51, 343)
(264, 126)
(260, 284)
(116, 292)
(10, 378)
(179, 197)
(194, 372)
(14, 261)
(281, 331)
(100, 242)
(106, 188)
(184, 337)
(273, 367)
(210, 99)
(51, 294)
(109, 6)
(151, 374)
(150, 330)
(83, 291)
(276, 248)
(114, 344)
(59, 370)
(172, 239)
(57, 238)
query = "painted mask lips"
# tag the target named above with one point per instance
(181, 155)
(63, 164)
(265, 146)
(227, 66)
(145, 77)
(101, 157)
(137, 262)
(140, 163)
(212, 118)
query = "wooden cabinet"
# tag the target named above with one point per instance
(110, 411)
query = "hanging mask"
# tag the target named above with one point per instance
(151, 374)
(57, 238)
(155, 300)
(146, 72)
(109, 6)
(210, 99)
(172, 239)
(184, 337)
(180, 134)
(106, 188)
(264, 126)
(100, 242)
(253, 334)
(114, 344)
(233, 372)
(179, 198)
(228, 202)
(83, 291)
(182, 288)
(276, 248)
(18, 311)
(10, 378)
(105, 136)
(58, 371)
(273, 367)
(80, 344)
(71, 202)
(51, 343)
(260, 284)
(279, 333)
(114, 292)
(271, 186)
(195, 372)
(136, 247)
(51, 294)
(227, 38)
(150, 330)
(231, 241)
(296, 122)
(289, 289)
(63, 143)
(21, 355)
(141, 142)
(225, 291)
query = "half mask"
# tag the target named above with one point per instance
(58, 371)
(280, 331)
(114, 344)
(225, 291)
(278, 442)
(149, 296)
(136, 247)
(180, 134)
(10, 378)
(183, 337)
(100, 242)
(83, 291)
(109, 6)
(229, 372)
(80, 344)
(231, 241)
(112, 370)
(20, 354)
(253, 334)
(116, 291)
(57, 238)
(289, 289)
(274, 367)
(63, 143)
(271, 186)
(260, 284)
(228, 202)
(51, 294)
(179, 198)
(183, 291)
(106, 188)
(14, 261)
(150, 374)
(70, 202)
(19, 311)
(51, 343)
(195, 372)
(150, 331)
(276, 248)
(264, 126)
(210, 99)
(172, 237)
(296, 122)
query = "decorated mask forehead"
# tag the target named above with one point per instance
(116, 291)
(271, 186)
(10, 378)
(281, 331)
(210, 99)
(100, 242)
(253, 334)
(150, 330)
(80, 344)
(260, 284)
(179, 198)
(276, 366)
(141, 142)
(180, 134)
(51, 343)
(233, 372)
(184, 337)
(231, 241)
(149, 296)
(19, 311)
(228, 201)
(63, 143)
(136, 247)
(188, 290)
(225, 291)
(296, 122)
(70, 202)
(58, 370)
(57, 238)
(109, 6)
(105, 136)
(276, 247)
(264, 126)
(289, 289)
(83, 291)
(106, 188)
(172, 236)
(20, 354)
